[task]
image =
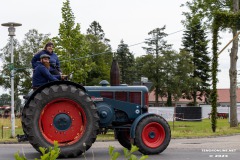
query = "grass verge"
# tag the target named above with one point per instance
(198, 129)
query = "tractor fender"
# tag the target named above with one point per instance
(32, 93)
(136, 121)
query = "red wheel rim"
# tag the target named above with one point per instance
(62, 120)
(153, 135)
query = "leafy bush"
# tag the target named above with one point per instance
(127, 154)
(52, 153)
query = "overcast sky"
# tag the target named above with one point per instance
(130, 20)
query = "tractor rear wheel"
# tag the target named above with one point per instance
(61, 113)
(153, 135)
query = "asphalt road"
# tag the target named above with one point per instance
(225, 148)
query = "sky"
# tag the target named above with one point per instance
(127, 20)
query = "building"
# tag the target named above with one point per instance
(5, 111)
(223, 99)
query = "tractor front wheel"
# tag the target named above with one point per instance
(153, 135)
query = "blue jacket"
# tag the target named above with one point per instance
(54, 62)
(41, 76)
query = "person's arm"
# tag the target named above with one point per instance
(35, 60)
(45, 72)
(58, 64)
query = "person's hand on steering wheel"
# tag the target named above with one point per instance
(64, 77)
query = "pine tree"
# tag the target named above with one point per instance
(195, 42)
(156, 47)
(101, 54)
(126, 63)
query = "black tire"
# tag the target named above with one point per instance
(123, 137)
(153, 135)
(63, 113)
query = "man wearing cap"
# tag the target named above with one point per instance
(54, 62)
(41, 74)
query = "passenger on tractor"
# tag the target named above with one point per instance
(42, 75)
(54, 61)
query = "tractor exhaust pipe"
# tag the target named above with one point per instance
(114, 74)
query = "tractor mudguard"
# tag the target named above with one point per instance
(32, 93)
(136, 121)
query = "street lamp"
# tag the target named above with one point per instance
(11, 29)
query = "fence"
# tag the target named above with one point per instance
(6, 131)
(169, 113)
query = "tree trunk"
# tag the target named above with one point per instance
(194, 98)
(169, 99)
(233, 73)
(156, 96)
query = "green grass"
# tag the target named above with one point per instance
(197, 129)
(179, 129)
(5, 129)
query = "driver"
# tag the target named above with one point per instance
(42, 75)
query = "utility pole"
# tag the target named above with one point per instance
(11, 29)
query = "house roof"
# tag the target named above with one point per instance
(223, 96)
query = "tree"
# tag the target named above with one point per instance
(175, 72)
(96, 30)
(220, 15)
(126, 63)
(7, 67)
(72, 46)
(146, 67)
(22, 64)
(168, 67)
(183, 79)
(5, 99)
(156, 46)
(31, 44)
(101, 54)
(195, 42)
(156, 43)
(233, 70)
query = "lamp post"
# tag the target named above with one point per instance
(11, 29)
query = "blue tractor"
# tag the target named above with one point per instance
(74, 115)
